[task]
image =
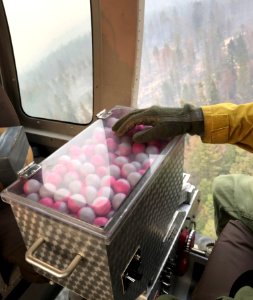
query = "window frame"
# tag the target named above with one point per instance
(108, 89)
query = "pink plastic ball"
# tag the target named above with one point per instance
(136, 164)
(133, 178)
(147, 164)
(137, 128)
(126, 139)
(122, 186)
(127, 169)
(114, 171)
(60, 168)
(75, 164)
(53, 178)
(66, 161)
(141, 127)
(47, 190)
(93, 180)
(117, 200)
(100, 149)
(61, 206)
(70, 176)
(88, 150)
(106, 191)
(33, 196)
(86, 169)
(75, 186)
(90, 193)
(100, 221)
(82, 158)
(31, 186)
(101, 206)
(138, 148)
(124, 149)
(101, 171)
(111, 144)
(86, 214)
(97, 160)
(112, 157)
(70, 166)
(75, 202)
(141, 157)
(61, 194)
(120, 161)
(47, 201)
(108, 180)
(152, 150)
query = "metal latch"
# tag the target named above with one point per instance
(29, 170)
(186, 177)
(103, 114)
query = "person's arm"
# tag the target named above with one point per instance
(163, 122)
(217, 124)
(229, 123)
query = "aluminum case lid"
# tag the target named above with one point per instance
(94, 180)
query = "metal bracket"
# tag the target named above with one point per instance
(29, 170)
(103, 114)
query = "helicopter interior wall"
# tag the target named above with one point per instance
(114, 35)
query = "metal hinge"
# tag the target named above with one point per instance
(103, 114)
(29, 170)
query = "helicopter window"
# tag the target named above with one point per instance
(52, 45)
(199, 52)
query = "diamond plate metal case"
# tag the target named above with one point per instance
(116, 261)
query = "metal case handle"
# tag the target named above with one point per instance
(47, 267)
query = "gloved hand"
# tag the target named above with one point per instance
(165, 122)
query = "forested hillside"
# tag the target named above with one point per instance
(63, 75)
(200, 52)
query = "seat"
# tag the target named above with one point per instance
(229, 263)
(12, 247)
(8, 116)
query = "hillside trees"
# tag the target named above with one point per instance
(206, 161)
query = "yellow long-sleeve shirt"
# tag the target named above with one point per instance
(229, 123)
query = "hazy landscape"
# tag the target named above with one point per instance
(63, 76)
(200, 52)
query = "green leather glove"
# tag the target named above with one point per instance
(166, 122)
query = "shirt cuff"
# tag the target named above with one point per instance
(216, 126)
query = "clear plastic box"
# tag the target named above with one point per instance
(100, 199)
(92, 178)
